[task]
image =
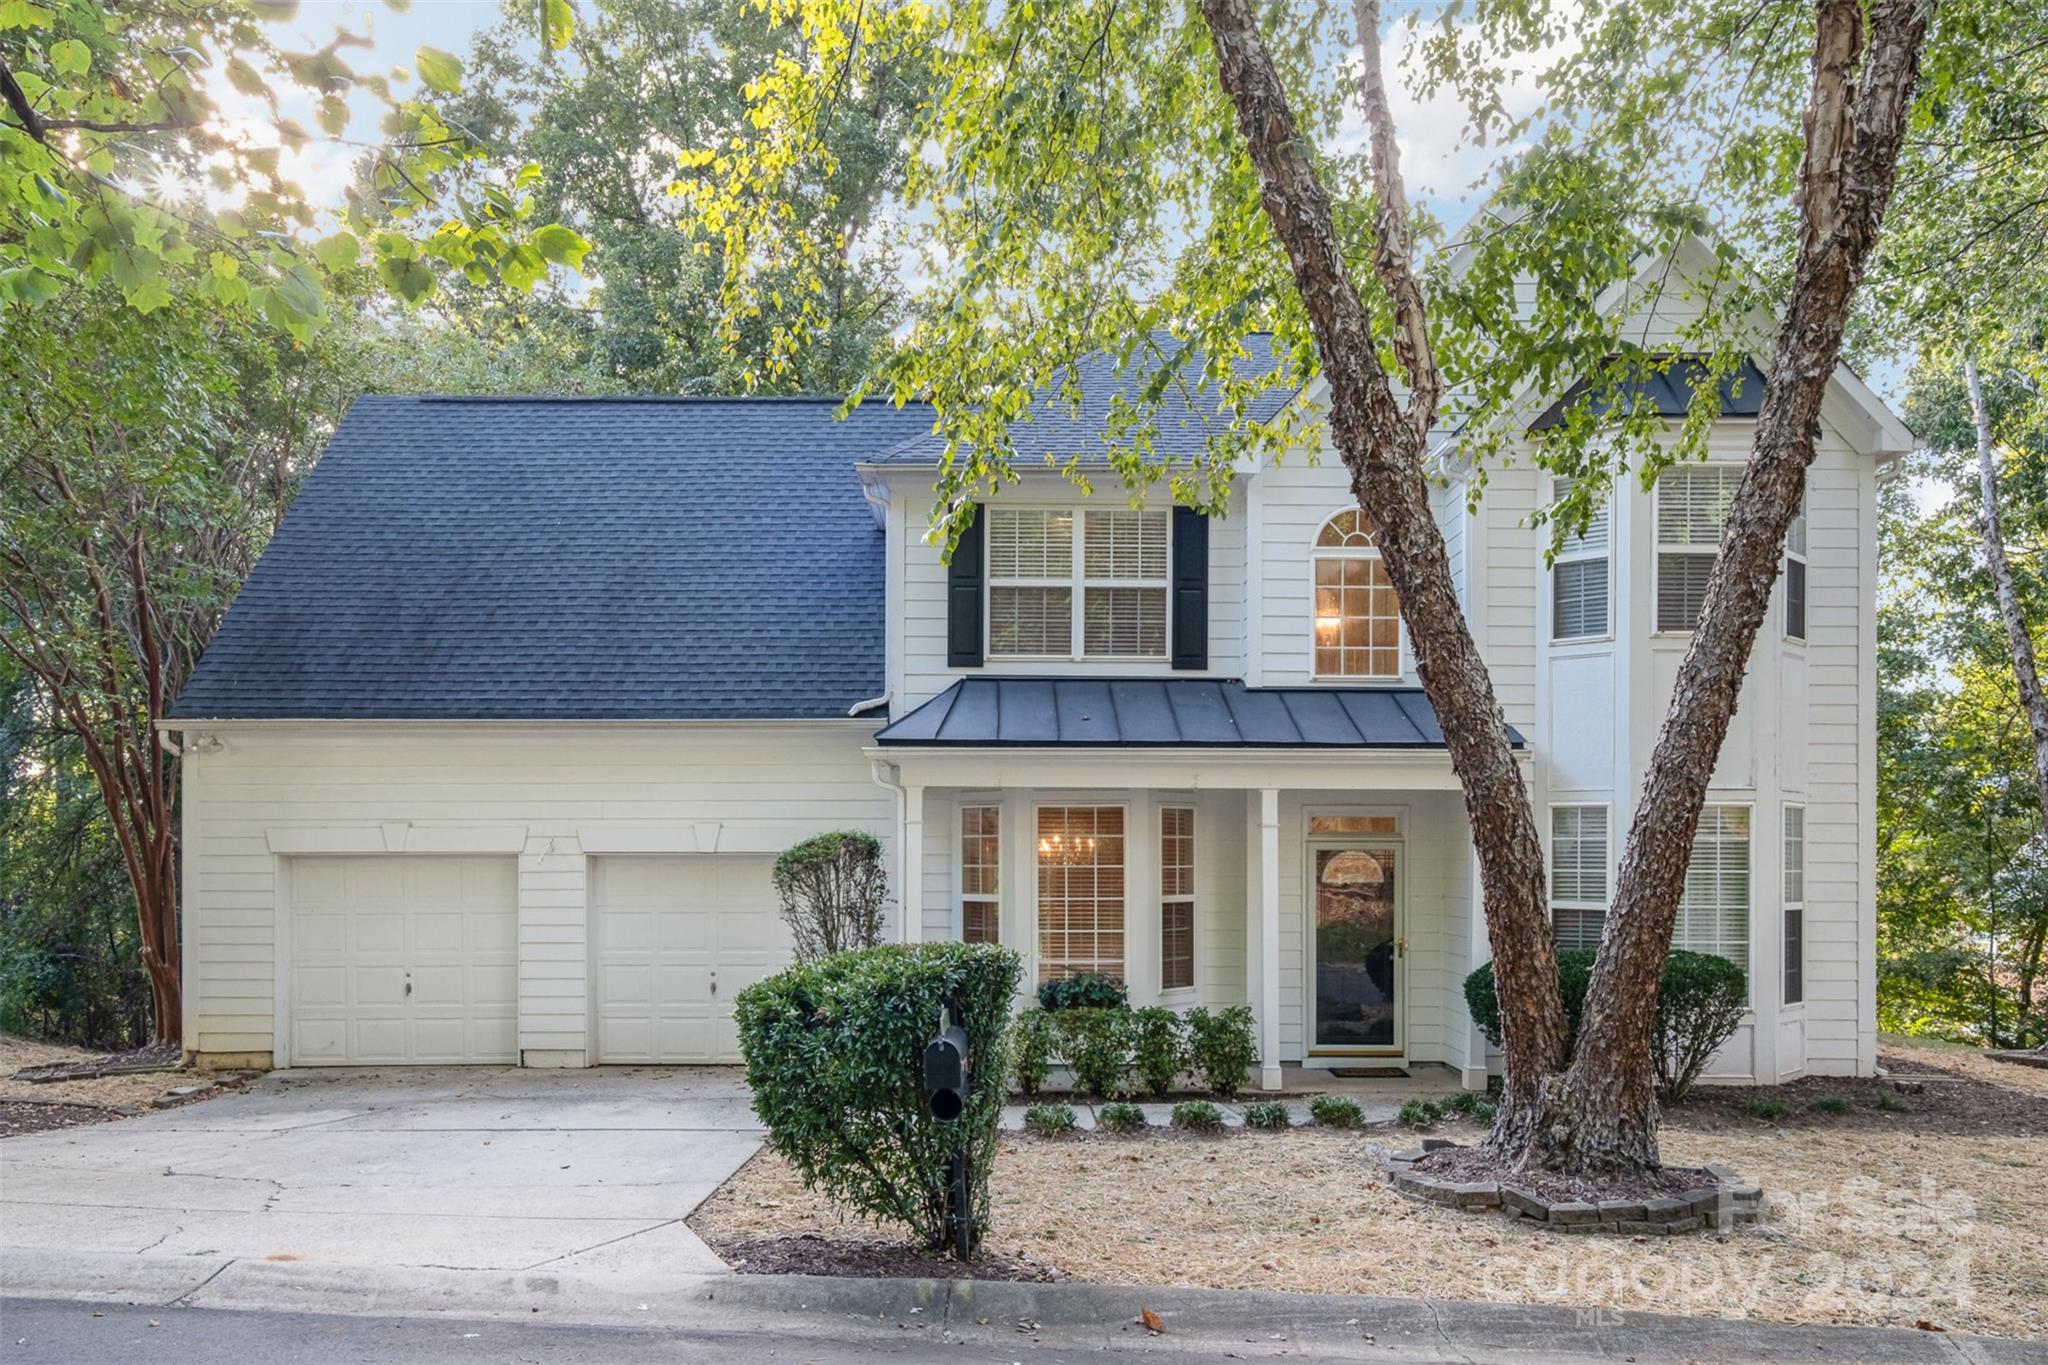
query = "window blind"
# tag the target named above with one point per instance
(1080, 891)
(980, 857)
(1578, 577)
(1713, 914)
(1578, 875)
(1176, 898)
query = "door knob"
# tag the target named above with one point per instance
(1400, 947)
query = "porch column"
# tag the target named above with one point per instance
(912, 882)
(1268, 995)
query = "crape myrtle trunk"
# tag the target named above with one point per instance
(1383, 447)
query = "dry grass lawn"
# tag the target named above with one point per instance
(1884, 1229)
(1967, 1061)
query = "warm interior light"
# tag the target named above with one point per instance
(1328, 624)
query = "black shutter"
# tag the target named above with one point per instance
(1190, 588)
(963, 597)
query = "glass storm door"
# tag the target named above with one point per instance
(1358, 948)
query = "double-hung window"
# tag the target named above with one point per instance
(1692, 507)
(1795, 904)
(1063, 585)
(980, 857)
(1578, 875)
(1578, 577)
(1713, 914)
(1176, 898)
(1795, 574)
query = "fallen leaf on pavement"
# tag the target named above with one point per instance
(1153, 1322)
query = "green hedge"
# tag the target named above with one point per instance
(834, 1057)
(1701, 998)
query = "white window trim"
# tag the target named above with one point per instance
(960, 894)
(1748, 964)
(1078, 584)
(1800, 557)
(1556, 902)
(1784, 840)
(1318, 552)
(1038, 868)
(1568, 555)
(1658, 550)
(1174, 994)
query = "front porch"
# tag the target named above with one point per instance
(1325, 882)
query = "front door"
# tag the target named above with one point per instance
(1356, 924)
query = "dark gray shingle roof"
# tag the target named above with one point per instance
(1670, 392)
(1056, 430)
(619, 559)
(1171, 712)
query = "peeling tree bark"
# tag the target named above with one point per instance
(1384, 445)
(1601, 1115)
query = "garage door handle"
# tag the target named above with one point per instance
(408, 986)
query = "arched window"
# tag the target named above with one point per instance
(1357, 618)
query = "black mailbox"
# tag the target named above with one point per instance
(945, 1073)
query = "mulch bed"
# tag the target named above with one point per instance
(810, 1253)
(18, 1117)
(1935, 1101)
(156, 1057)
(1472, 1165)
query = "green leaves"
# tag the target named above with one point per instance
(337, 252)
(70, 57)
(442, 71)
(561, 245)
(558, 23)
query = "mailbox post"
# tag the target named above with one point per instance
(945, 1089)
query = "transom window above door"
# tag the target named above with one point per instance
(1067, 586)
(1357, 616)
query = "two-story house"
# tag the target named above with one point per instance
(491, 757)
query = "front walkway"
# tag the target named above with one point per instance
(351, 1172)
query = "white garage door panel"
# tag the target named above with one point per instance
(364, 929)
(677, 939)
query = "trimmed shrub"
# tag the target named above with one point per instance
(1120, 1118)
(832, 888)
(1197, 1116)
(1050, 1120)
(1097, 1046)
(1336, 1111)
(1031, 1049)
(1267, 1114)
(1159, 1047)
(1419, 1114)
(834, 1055)
(1222, 1048)
(1700, 1001)
(1088, 991)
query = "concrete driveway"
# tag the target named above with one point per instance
(385, 1177)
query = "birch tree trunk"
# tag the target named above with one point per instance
(1601, 1115)
(2023, 666)
(1383, 446)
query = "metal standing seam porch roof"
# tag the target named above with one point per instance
(1213, 713)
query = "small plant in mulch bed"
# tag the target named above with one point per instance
(1120, 1118)
(1832, 1104)
(1766, 1109)
(1419, 1114)
(1889, 1101)
(1050, 1120)
(1472, 1105)
(1197, 1116)
(1336, 1111)
(1267, 1114)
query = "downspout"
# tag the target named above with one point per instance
(872, 703)
(885, 775)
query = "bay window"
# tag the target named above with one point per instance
(1080, 891)
(1578, 577)
(1795, 904)
(1692, 507)
(1713, 914)
(1578, 875)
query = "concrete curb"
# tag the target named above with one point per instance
(992, 1314)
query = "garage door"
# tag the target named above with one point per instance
(404, 960)
(676, 940)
